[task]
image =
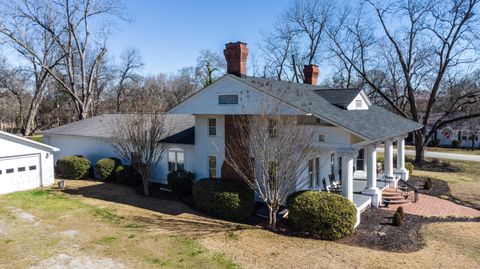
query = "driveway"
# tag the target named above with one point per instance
(441, 155)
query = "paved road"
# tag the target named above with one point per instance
(442, 155)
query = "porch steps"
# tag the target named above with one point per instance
(392, 196)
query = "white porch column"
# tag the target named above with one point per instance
(371, 189)
(401, 159)
(347, 175)
(388, 159)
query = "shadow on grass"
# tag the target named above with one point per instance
(175, 217)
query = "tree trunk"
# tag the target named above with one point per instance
(419, 146)
(272, 215)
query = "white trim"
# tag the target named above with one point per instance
(33, 143)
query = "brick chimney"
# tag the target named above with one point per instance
(236, 55)
(311, 74)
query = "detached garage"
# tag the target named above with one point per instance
(24, 163)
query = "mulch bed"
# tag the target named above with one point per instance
(376, 231)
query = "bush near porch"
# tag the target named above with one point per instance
(105, 168)
(326, 215)
(181, 183)
(227, 199)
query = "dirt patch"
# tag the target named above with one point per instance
(24, 215)
(64, 261)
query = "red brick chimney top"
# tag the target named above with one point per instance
(236, 55)
(311, 74)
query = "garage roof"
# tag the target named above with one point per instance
(33, 144)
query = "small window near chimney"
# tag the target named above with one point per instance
(321, 138)
(228, 99)
(358, 103)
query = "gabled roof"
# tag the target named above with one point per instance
(375, 123)
(339, 97)
(32, 143)
(103, 126)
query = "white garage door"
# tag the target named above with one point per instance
(19, 173)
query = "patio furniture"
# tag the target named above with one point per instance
(335, 185)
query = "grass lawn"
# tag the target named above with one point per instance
(448, 150)
(113, 227)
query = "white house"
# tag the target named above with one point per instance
(24, 163)
(349, 128)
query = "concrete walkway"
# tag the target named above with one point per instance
(432, 206)
(442, 155)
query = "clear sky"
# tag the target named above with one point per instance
(170, 34)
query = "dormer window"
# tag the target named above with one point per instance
(228, 99)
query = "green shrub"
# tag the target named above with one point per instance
(409, 166)
(428, 184)
(292, 196)
(227, 199)
(180, 182)
(105, 168)
(73, 167)
(456, 144)
(400, 211)
(126, 175)
(327, 215)
(434, 143)
(397, 219)
(381, 160)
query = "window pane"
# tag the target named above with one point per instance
(171, 156)
(228, 99)
(9, 171)
(310, 173)
(33, 167)
(212, 126)
(180, 161)
(171, 166)
(21, 169)
(212, 166)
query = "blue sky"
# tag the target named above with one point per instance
(170, 34)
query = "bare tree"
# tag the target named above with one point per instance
(210, 65)
(429, 39)
(138, 139)
(131, 62)
(269, 153)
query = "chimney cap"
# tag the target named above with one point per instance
(235, 43)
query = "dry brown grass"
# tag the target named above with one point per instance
(448, 245)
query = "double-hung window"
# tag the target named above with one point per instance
(212, 166)
(212, 127)
(176, 159)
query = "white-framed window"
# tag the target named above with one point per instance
(361, 160)
(358, 103)
(212, 166)
(465, 135)
(321, 138)
(317, 171)
(176, 159)
(212, 127)
(310, 173)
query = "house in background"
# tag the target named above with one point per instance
(24, 163)
(349, 128)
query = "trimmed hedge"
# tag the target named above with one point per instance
(227, 199)
(126, 175)
(73, 167)
(428, 184)
(181, 182)
(326, 215)
(105, 168)
(409, 166)
(397, 219)
(401, 212)
(292, 196)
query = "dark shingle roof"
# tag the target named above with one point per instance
(376, 123)
(179, 126)
(338, 97)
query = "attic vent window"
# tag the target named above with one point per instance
(358, 103)
(321, 138)
(228, 99)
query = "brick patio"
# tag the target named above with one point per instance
(431, 206)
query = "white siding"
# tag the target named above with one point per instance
(361, 100)
(94, 149)
(206, 145)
